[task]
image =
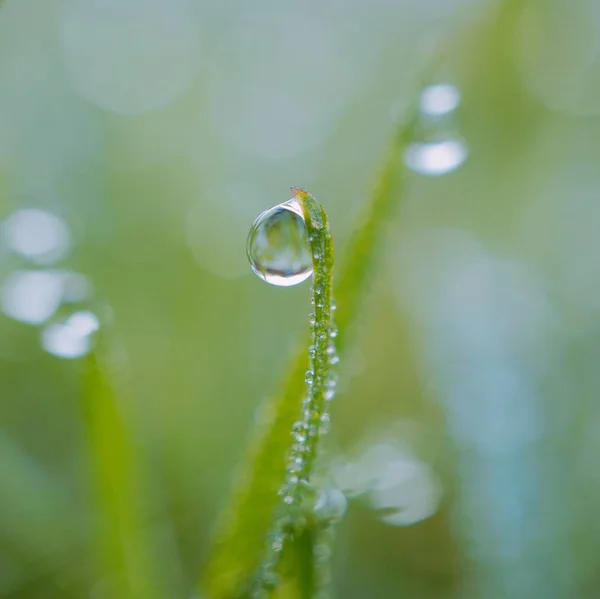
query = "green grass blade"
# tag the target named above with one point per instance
(38, 519)
(296, 492)
(121, 539)
(243, 527)
(360, 261)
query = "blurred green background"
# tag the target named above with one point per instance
(139, 139)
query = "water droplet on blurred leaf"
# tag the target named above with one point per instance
(439, 99)
(278, 248)
(331, 505)
(400, 488)
(437, 157)
(37, 235)
(32, 296)
(437, 148)
(71, 338)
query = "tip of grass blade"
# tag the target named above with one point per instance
(300, 194)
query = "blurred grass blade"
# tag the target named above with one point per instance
(244, 523)
(121, 540)
(38, 519)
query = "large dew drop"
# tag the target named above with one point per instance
(278, 248)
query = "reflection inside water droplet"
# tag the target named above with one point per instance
(437, 157)
(278, 248)
(71, 338)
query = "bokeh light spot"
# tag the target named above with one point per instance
(32, 296)
(37, 235)
(130, 56)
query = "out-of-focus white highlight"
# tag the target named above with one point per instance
(436, 158)
(439, 99)
(37, 235)
(32, 296)
(71, 338)
(399, 487)
(130, 56)
(402, 489)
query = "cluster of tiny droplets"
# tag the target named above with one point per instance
(320, 386)
(296, 494)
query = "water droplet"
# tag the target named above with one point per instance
(298, 427)
(334, 359)
(332, 381)
(31, 296)
(71, 338)
(278, 248)
(333, 333)
(277, 544)
(325, 423)
(436, 158)
(37, 235)
(300, 437)
(288, 500)
(331, 505)
(329, 394)
(400, 488)
(439, 99)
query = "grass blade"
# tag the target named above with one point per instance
(121, 539)
(38, 519)
(296, 492)
(246, 521)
